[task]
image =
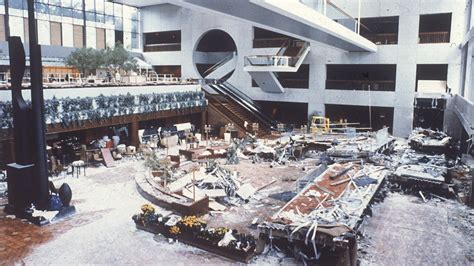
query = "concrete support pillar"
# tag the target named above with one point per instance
(133, 131)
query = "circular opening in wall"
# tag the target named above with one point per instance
(215, 56)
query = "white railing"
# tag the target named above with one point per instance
(278, 60)
(65, 80)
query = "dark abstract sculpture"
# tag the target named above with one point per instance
(28, 178)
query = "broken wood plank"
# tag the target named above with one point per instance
(342, 181)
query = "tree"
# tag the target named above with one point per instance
(117, 58)
(87, 60)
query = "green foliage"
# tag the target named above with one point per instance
(118, 58)
(87, 60)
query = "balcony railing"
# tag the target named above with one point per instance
(434, 37)
(164, 47)
(375, 85)
(74, 80)
(381, 39)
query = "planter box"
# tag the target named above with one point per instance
(190, 239)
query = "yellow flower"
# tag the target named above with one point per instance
(175, 230)
(147, 209)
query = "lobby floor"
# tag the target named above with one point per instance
(102, 231)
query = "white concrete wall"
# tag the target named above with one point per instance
(406, 55)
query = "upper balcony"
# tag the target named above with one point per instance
(294, 19)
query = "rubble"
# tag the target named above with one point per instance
(429, 140)
(319, 212)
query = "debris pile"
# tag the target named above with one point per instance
(328, 209)
(429, 140)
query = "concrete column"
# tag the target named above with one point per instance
(402, 121)
(133, 131)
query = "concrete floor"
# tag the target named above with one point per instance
(402, 231)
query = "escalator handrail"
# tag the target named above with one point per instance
(247, 102)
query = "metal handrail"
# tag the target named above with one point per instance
(221, 62)
(285, 44)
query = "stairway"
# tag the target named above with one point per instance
(237, 108)
(263, 68)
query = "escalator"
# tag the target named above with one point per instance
(237, 107)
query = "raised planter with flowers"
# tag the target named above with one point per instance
(193, 231)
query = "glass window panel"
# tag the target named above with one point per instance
(109, 20)
(90, 5)
(77, 4)
(118, 23)
(100, 18)
(55, 2)
(78, 14)
(55, 10)
(134, 40)
(134, 13)
(40, 1)
(99, 6)
(134, 25)
(2, 2)
(117, 10)
(67, 12)
(42, 8)
(90, 16)
(109, 8)
(66, 3)
(16, 4)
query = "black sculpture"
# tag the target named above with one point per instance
(27, 179)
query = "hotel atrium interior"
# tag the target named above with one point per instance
(230, 132)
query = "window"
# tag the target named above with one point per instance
(16, 4)
(66, 3)
(90, 16)
(117, 10)
(42, 8)
(90, 5)
(135, 37)
(77, 4)
(78, 37)
(435, 28)
(54, 10)
(100, 38)
(163, 41)
(361, 77)
(56, 36)
(134, 25)
(119, 36)
(168, 70)
(99, 6)
(431, 78)
(380, 30)
(118, 23)
(67, 12)
(78, 14)
(109, 8)
(264, 38)
(100, 18)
